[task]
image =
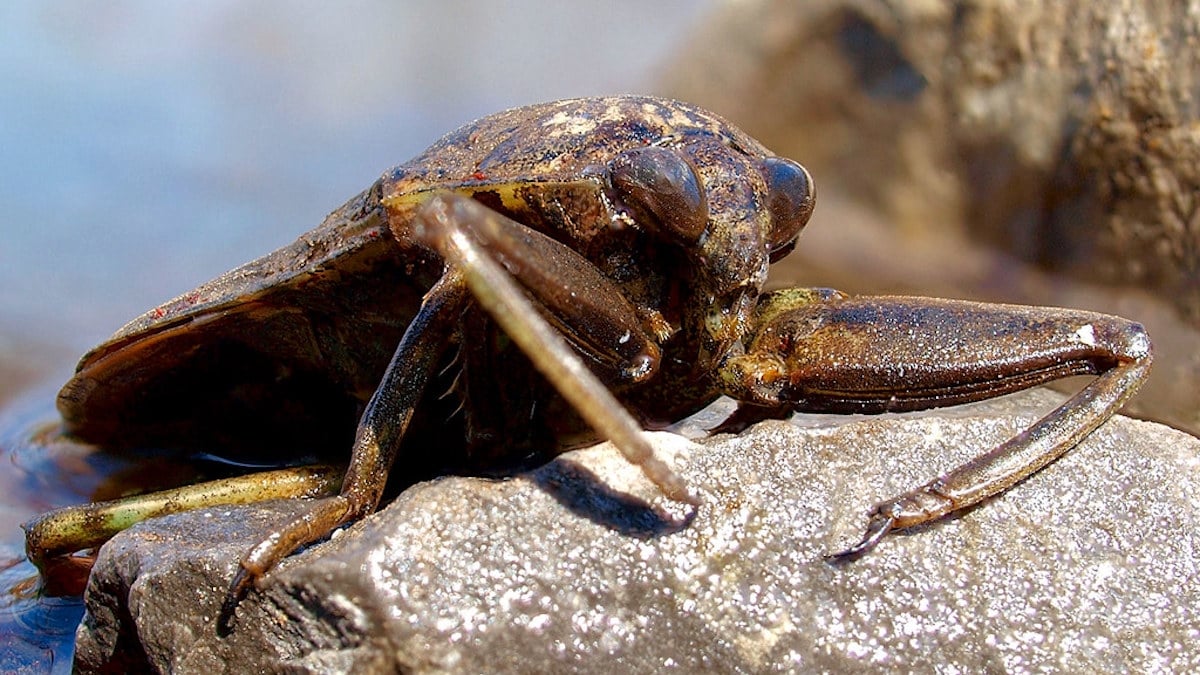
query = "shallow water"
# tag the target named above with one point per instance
(45, 470)
(40, 472)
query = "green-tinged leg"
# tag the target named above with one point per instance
(74, 528)
(472, 239)
(376, 442)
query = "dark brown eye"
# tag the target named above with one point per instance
(791, 198)
(662, 190)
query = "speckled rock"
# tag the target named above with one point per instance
(1090, 566)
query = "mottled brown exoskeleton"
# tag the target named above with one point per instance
(593, 263)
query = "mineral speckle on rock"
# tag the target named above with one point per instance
(1090, 565)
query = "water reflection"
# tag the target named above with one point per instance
(41, 471)
(44, 470)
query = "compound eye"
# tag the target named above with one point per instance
(791, 197)
(662, 190)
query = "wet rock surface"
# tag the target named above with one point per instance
(1090, 565)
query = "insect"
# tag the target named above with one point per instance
(591, 264)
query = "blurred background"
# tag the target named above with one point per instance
(961, 149)
(149, 146)
(1045, 154)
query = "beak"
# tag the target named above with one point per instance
(727, 321)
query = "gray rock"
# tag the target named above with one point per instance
(1089, 566)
